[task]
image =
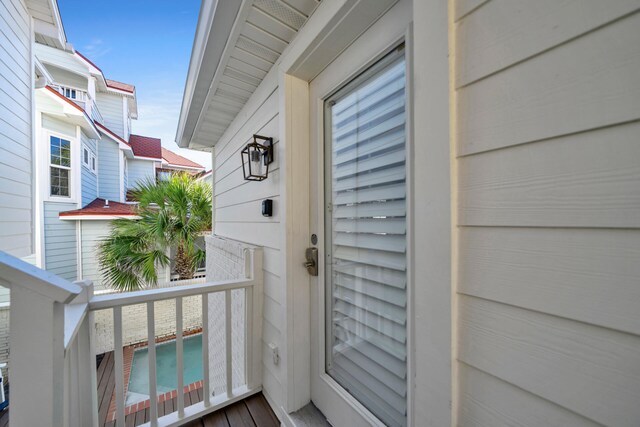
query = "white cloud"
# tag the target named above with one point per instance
(96, 48)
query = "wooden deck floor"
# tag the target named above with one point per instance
(250, 412)
(253, 411)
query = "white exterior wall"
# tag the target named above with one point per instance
(67, 78)
(92, 232)
(237, 216)
(140, 171)
(60, 58)
(60, 245)
(547, 97)
(111, 108)
(109, 170)
(16, 153)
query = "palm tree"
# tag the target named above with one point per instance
(172, 214)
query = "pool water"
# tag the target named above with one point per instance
(166, 378)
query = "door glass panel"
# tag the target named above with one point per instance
(366, 329)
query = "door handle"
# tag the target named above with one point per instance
(311, 263)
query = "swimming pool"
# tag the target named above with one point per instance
(166, 378)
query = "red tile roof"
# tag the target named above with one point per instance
(120, 86)
(98, 207)
(145, 146)
(177, 160)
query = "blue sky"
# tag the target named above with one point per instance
(146, 43)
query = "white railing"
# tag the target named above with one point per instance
(52, 363)
(79, 96)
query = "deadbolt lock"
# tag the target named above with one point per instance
(311, 264)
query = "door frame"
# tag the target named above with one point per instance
(332, 28)
(393, 29)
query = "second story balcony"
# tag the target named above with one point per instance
(83, 99)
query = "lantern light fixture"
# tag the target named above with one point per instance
(256, 157)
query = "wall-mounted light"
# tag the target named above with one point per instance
(256, 158)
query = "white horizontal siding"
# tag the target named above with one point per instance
(108, 170)
(110, 107)
(60, 241)
(16, 183)
(577, 86)
(139, 171)
(66, 78)
(58, 126)
(88, 177)
(237, 205)
(92, 233)
(60, 58)
(547, 174)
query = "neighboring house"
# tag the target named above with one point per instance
(468, 172)
(87, 157)
(172, 162)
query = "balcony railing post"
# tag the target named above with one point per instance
(86, 363)
(151, 337)
(37, 358)
(179, 357)
(119, 365)
(227, 343)
(206, 382)
(253, 321)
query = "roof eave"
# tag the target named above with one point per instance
(95, 217)
(70, 109)
(215, 22)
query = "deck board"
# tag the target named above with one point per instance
(260, 411)
(253, 411)
(238, 415)
(106, 385)
(217, 419)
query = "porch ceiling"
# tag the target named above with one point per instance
(221, 81)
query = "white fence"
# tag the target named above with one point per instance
(53, 344)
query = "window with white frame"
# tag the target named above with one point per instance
(85, 156)
(70, 93)
(89, 159)
(366, 237)
(60, 167)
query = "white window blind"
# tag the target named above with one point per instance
(366, 239)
